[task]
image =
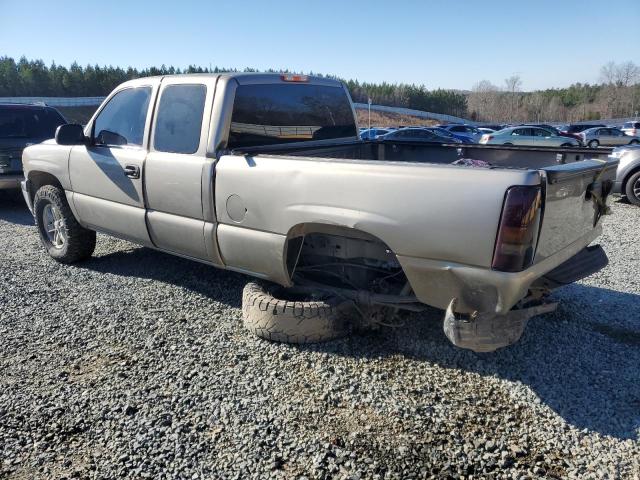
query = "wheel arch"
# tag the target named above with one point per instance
(296, 236)
(635, 169)
(38, 179)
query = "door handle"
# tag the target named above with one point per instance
(132, 171)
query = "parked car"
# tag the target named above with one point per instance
(493, 126)
(607, 137)
(22, 125)
(631, 128)
(580, 127)
(417, 134)
(446, 133)
(628, 174)
(468, 131)
(555, 130)
(532, 136)
(269, 177)
(373, 133)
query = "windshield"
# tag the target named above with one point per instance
(270, 114)
(20, 122)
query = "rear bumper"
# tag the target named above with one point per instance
(11, 181)
(479, 289)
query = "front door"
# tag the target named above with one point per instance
(106, 175)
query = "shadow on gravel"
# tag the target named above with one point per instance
(13, 209)
(139, 262)
(582, 361)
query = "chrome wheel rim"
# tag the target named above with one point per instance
(636, 189)
(54, 225)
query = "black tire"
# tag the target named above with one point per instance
(632, 189)
(593, 144)
(77, 242)
(508, 144)
(270, 312)
(634, 142)
(566, 145)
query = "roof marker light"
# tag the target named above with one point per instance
(289, 77)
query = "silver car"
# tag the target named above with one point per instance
(531, 136)
(628, 174)
(607, 137)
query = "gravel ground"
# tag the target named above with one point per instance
(135, 364)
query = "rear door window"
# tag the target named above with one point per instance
(122, 120)
(270, 114)
(179, 119)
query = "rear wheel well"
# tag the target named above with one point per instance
(342, 257)
(39, 179)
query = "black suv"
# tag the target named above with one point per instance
(20, 126)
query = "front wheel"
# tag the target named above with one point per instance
(632, 189)
(634, 142)
(60, 233)
(594, 144)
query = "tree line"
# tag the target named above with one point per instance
(27, 78)
(617, 94)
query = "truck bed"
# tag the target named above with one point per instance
(406, 151)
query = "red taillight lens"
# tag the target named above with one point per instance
(490, 137)
(518, 230)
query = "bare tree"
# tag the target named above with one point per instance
(513, 84)
(483, 100)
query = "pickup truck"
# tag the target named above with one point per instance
(265, 174)
(22, 125)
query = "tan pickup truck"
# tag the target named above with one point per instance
(265, 174)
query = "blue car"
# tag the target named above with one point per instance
(446, 133)
(468, 131)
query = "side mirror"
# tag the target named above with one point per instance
(70, 134)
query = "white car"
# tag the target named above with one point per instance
(526, 135)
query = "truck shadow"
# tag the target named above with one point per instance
(581, 361)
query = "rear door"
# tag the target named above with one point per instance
(618, 137)
(178, 173)
(106, 176)
(522, 136)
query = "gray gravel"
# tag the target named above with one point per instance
(135, 364)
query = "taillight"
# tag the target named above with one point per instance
(489, 137)
(518, 231)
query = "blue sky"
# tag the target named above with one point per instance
(439, 44)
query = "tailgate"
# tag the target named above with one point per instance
(574, 198)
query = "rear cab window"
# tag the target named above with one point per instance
(270, 114)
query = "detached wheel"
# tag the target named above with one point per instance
(594, 144)
(632, 189)
(275, 313)
(60, 233)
